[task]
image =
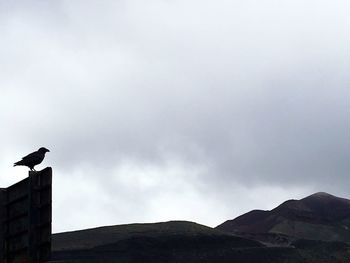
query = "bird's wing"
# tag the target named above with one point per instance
(32, 157)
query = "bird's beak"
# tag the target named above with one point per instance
(48, 150)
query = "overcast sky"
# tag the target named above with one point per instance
(176, 109)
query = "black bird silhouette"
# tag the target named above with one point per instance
(33, 158)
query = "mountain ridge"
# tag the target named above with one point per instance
(313, 229)
(302, 218)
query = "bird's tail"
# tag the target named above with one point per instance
(17, 163)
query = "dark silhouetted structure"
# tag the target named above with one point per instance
(26, 212)
(33, 159)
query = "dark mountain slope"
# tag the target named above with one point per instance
(160, 242)
(320, 216)
(96, 237)
(298, 231)
(179, 241)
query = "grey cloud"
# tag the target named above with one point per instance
(249, 94)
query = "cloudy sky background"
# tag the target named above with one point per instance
(159, 110)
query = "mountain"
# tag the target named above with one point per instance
(177, 241)
(320, 216)
(181, 241)
(97, 237)
(314, 229)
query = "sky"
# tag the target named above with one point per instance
(176, 110)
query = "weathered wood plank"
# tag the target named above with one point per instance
(26, 211)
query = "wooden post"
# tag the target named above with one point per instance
(27, 212)
(40, 215)
(2, 228)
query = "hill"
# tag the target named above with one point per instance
(320, 216)
(158, 242)
(181, 241)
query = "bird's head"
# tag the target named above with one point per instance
(43, 150)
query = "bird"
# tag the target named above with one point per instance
(33, 158)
